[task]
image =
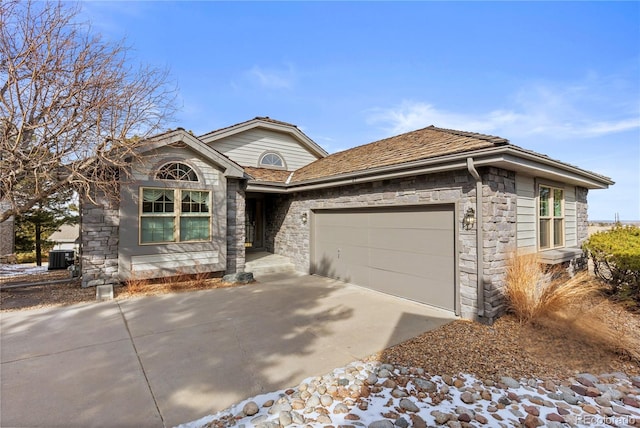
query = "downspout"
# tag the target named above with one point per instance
(479, 237)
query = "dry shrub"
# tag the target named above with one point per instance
(136, 285)
(575, 305)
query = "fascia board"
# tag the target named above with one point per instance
(522, 161)
(264, 187)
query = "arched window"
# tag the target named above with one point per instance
(176, 171)
(174, 213)
(271, 159)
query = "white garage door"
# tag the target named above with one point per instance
(408, 252)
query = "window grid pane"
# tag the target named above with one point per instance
(545, 233)
(157, 201)
(557, 202)
(195, 202)
(157, 229)
(558, 232)
(544, 201)
(194, 228)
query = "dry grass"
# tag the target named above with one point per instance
(574, 305)
(137, 286)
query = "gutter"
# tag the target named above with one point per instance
(479, 237)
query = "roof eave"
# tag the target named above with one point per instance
(508, 157)
(520, 160)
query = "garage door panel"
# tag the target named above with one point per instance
(358, 274)
(351, 219)
(434, 218)
(405, 251)
(354, 255)
(412, 264)
(427, 241)
(404, 285)
(344, 234)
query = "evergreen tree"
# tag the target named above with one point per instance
(35, 226)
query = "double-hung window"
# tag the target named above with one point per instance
(174, 214)
(551, 217)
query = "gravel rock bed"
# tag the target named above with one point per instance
(377, 395)
(509, 348)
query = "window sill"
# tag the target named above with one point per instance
(559, 255)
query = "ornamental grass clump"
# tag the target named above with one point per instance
(574, 305)
(533, 293)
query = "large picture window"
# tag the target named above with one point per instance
(551, 217)
(162, 220)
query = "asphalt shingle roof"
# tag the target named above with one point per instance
(267, 174)
(424, 143)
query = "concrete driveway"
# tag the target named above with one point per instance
(165, 360)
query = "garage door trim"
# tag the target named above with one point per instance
(392, 207)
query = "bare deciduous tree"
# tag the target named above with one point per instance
(72, 108)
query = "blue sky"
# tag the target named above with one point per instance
(559, 78)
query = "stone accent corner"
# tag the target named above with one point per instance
(99, 243)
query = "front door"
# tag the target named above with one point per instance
(254, 223)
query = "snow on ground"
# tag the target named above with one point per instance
(403, 397)
(21, 269)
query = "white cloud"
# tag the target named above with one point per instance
(588, 109)
(273, 78)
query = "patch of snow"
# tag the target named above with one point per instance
(383, 402)
(22, 269)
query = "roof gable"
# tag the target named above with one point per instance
(270, 124)
(230, 168)
(429, 142)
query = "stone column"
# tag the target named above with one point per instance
(235, 226)
(499, 230)
(99, 229)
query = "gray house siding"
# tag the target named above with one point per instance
(166, 259)
(287, 234)
(247, 147)
(575, 214)
(526, 206)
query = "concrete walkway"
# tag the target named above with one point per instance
(164, 360)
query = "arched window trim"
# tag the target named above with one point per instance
(275, 154)
(179, 170)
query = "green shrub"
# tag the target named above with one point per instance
(29, 257)
(616, 258)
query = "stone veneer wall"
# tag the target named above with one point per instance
(499, 235)
(235, 226)
(99, 243)
(7, 235)
(581, 211)
(287, 235)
